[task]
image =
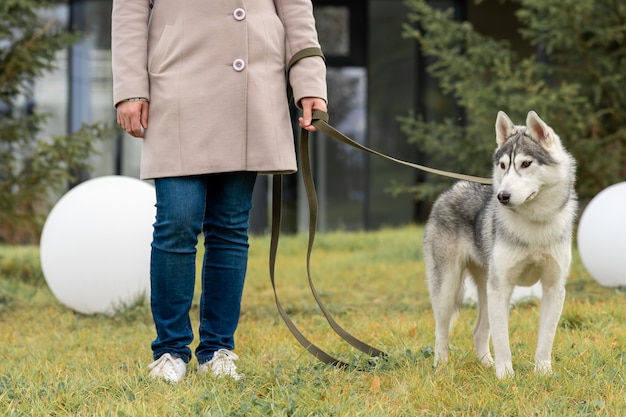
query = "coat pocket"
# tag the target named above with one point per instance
(165, 50)
(275, 35)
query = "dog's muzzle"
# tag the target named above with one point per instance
(504, 197)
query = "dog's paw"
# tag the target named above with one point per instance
(440, 360)
(441, 355)
(504, 370)
(543, 367)
(487, 361)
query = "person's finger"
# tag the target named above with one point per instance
(139, 123)
(144, 115)
(307, 113)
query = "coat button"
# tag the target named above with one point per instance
(239, 14)
(239, 64)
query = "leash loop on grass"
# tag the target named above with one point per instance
(277, 202)
(309, 185)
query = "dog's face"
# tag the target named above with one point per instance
(523, 159)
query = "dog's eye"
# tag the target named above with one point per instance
(502, 165)
(526, 164)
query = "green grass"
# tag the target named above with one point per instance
(54, 362)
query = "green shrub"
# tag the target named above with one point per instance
(21, 263)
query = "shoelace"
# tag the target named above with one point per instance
(165, 366)
(223, 363)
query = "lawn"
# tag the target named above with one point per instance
(55, 362)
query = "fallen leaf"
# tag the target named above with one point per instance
(375, 385)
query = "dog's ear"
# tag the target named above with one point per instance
(504, 128)
(538, 129)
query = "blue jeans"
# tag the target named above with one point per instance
(218, 205)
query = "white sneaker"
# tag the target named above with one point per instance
(168, 367)
(221, 364)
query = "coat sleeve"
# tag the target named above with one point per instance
(129, 49)
(308, 76)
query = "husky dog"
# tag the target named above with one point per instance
(516, 232)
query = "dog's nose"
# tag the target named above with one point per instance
(504, 197)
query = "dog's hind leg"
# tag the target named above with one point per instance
(481, 330)
(445, 284)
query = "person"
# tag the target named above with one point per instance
(203, 84)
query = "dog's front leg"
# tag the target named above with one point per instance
(551, 307)
(498, 297)
(481, 330)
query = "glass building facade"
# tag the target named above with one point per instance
(374, 75)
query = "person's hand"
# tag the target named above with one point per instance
(308, 105)
(132, 116)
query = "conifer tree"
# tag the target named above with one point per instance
(33, 166)
(575, 80)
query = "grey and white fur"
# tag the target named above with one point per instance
(516, 232)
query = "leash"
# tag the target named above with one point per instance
(277, 187)
(320, 121)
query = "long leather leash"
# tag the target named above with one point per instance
(320, 121)
(276, 224)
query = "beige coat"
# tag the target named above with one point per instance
(213, 71)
